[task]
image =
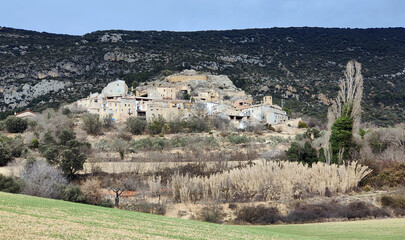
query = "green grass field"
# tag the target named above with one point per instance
(26, 217)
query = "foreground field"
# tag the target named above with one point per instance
(26, 217)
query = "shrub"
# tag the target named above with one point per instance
(10, 184)
(306, 154)
(156, 126)
(213, 214)
(220, 122)
(394, 201)
(119, 146)
(332, 209)
(72, 193)
(362, 133)
(145, 207)
(176, 126)
(232, 206)
(66, 111)
(43, 180)
(238, 139)
(65, 136)
(197, 124)
(302, 124)
(341, 136)
(258, 214)
(91, 190)
(16, 125)
(105, 203)
(391, 176)
(5, 154)
(136, 125)
(92, 123)
(35, 143)
(108, 122)
(72, 161)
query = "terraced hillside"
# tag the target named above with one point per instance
(26, 217)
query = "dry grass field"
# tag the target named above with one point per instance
(26, 217)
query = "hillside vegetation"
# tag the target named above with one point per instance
(26, 217)
(301, 65)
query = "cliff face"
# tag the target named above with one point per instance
(301, 65)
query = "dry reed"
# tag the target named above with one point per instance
(270, 180)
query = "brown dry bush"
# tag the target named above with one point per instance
(145, 207)
(91, 189)
(213, 214)
(259, 214)
(332, 210)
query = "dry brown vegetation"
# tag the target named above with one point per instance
(269, 180)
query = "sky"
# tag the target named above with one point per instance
(78, 17)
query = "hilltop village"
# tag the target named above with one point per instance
(182, 96)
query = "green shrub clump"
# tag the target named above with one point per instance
(10, 184)
(304, 154)
(136, 125)
(16, 125)
(302, 124)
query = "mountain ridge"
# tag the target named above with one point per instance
(300, 65)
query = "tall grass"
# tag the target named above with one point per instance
(269, 181)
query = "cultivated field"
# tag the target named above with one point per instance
(26, 217)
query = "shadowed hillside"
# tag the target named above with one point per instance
(301, 65)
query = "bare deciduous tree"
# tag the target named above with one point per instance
(351, 92)
(42, 180)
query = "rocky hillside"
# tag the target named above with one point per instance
(300, 65)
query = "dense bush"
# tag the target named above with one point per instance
(91, 190)
(10, 184)
(259, 214)
(396, 202)
(10, 147)
(156, 126)
(393, 175)
(302, 124)
(176, 126)
(136, 125)
(213, 214)
(341, 138)
(16, 125)
(197, 124)
(304, 154)
(67, 153)
(92, 123)
(333, 209)
(5, 154)
(145, 207)
(72, 193)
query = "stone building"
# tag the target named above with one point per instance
(182, 96)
